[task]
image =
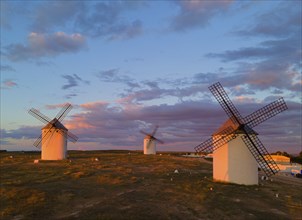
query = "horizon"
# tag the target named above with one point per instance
(124, 69)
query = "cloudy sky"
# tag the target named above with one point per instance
(127, 66)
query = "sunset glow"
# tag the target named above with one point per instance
(127, 66)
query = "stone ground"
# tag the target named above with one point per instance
(130, 185)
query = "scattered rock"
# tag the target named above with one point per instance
(176, 171)
(264, 178)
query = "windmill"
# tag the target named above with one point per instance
(150, 142)
(237, 151)
(54, 134)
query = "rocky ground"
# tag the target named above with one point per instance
(130, 185)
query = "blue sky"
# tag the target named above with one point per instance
(132, 65)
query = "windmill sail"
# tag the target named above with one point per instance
(267, 164)
(38, 115)
(243, 126)
(225, 102)
(210, 145)
(265, 113)
(150, 141)
(55, 123)
(64, 111)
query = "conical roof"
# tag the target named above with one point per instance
(238, 129)
(55, 123)
(148, 137)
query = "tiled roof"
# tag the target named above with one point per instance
(229, 124)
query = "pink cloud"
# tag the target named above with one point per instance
(8, 84)
(93, 105)
(78, 123)
(101, 125)
(45, 45)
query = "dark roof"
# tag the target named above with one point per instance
(54, 123)
(229, 124)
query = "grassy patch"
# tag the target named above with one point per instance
(130, 185)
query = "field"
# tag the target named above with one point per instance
(130, 185)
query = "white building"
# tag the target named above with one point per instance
(233, 162)
(54, 141)
(149, 145)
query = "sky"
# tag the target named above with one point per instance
(127, 66)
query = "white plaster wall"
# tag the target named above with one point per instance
(149, 146)
(54, 146)
(234, 163)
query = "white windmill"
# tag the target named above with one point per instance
(150, 142)
(54, 135)
(237, 151)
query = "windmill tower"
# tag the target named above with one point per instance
(150, 142)
(54, 135)
(237, 151)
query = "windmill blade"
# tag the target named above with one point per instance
(265, 113)
(158, 140)
(64, 111)
(37, 114)
(145, 133)
(205, 147)
(45, 137)
(225, 102)
(257, 149)
(72, 137)
(38, 142)
(211, 145)
(154, 131)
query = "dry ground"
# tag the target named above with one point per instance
(130, 185)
